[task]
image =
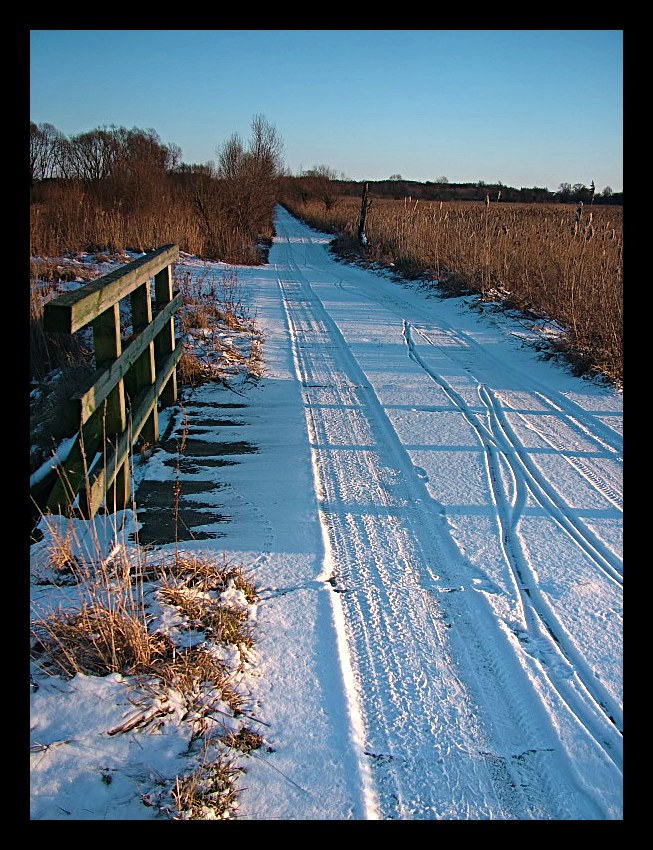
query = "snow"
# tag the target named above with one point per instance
(433, 522)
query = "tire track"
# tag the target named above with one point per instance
(547, 496)
(419, 554)
(498, 438)
(501, 437)
(568, 412)
(564, 409)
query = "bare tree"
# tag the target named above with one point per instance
(564, 192)
(93, 154)
(46, 151)
(321, 184)
(140, 168)
(249, 176)
(266, 148)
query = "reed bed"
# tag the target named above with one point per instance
(68, 218)
(59, 229)
(559, 261)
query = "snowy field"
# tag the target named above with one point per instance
(433, 519)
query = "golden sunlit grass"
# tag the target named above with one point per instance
(111, 627)
(213, 310)
(208, 793)
(559, 261)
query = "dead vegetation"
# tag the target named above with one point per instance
(562, 262)
(117, 625)
(221, 339)
(113, 189)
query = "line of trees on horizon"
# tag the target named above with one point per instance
(116, 153)
(326, 184)
(113, 187)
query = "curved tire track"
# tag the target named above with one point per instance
(388, 560)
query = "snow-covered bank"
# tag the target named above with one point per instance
(434, 521)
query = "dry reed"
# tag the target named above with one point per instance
(553, 260)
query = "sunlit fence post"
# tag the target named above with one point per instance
(122, 400)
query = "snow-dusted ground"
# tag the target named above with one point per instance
(434, 522)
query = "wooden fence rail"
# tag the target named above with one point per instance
(122, 399)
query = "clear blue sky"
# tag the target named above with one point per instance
(524, 107)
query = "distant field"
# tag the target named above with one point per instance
(559, 260)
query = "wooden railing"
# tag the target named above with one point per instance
(122, 400)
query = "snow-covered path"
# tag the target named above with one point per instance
(470, 503)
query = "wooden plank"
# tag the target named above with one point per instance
(150, 431)
(118, 454)
(165, 341)
(107, 342)
(169, 392)
(104, 380)
(72, 473)
(74, 310)
(119, 493)
(141, 304)
(163, 287)
(108, 348)
(142, 372)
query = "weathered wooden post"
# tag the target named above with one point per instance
(107, 343)
(365, 205)
(143, 374)
(164, 344)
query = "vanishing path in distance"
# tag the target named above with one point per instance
(471, 516)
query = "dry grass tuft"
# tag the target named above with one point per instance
(221, 623)
(209, 792)
(244, 740)
(202, 573)
(190, 671)
(191, 371)
(111, 629)
(97, 641)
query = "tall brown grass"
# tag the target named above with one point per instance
(70, 219)
(561, 261)
(199, 215)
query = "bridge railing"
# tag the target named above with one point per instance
(132, 378)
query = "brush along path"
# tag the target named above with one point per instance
(457, 556)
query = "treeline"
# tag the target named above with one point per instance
(115, 188)
(321, 184)
(112, 189)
